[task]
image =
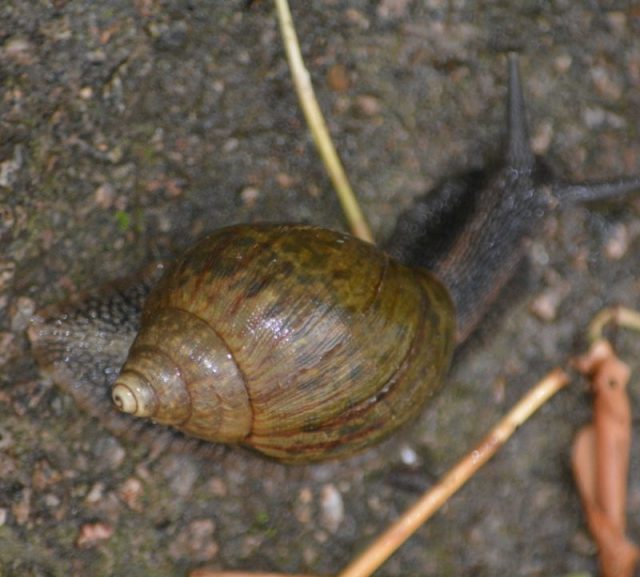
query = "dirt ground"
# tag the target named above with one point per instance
(127, 129)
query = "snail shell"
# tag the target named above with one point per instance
(299, 342)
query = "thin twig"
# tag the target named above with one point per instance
(385, 545)
(620, 316)
(318, 127)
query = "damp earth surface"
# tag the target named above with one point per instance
(129, 129)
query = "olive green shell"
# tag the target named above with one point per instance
(299, 342)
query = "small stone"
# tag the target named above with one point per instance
(95, 494)
(19, 49)
(563, 62)
(368, 105)
(338, 78)
(130, 492)
(52, 501)
(97, 56)
(542, 138)
(408, 456)
(104, 196)
(217, 487)
(545, 305)
(302, 507)
(250, 196)
(331, 508)
(195, 542)
(618, 243)
(92, 534)
(285, 180)
(231, 145)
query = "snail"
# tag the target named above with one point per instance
(306, 344)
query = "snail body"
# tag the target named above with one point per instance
(303, 343)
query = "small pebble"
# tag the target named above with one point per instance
(594, 117)
(368, 105)
(563, 62)
(92, 534)
(408, 456)
(195, 542)
(131, 492)
(231, 145)
(217, 487)
(96, 56)
(285, 180)
(18, 49)
(104, 196)
(302, 507)
(338, 78)
(95, 494)
(542, 138)
(545, 305)
(249, 196)
(52, 501)
(618, 243)
(331, 508)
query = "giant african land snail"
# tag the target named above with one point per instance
(305, 343)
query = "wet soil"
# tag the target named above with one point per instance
(129, 129)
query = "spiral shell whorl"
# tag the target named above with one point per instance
(180, 373)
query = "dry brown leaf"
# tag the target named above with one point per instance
(600, 459)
